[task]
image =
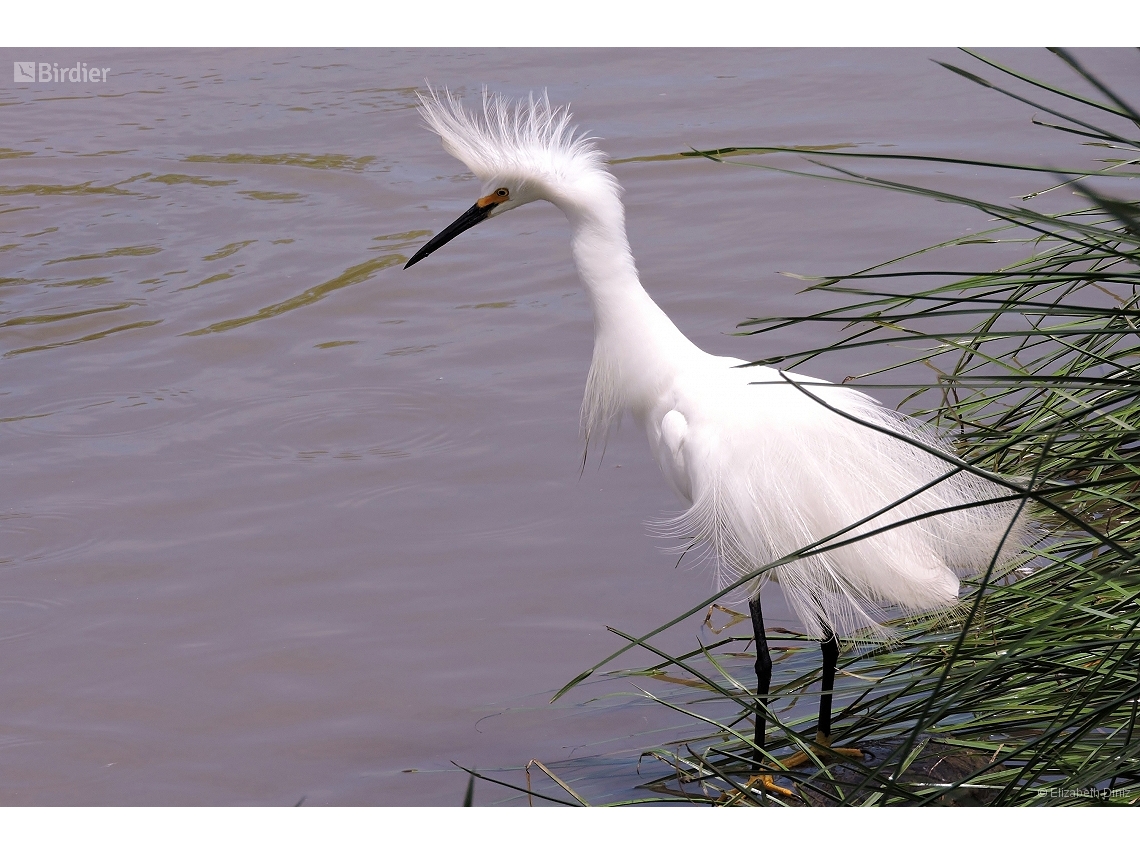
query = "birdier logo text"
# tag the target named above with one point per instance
(53, 72)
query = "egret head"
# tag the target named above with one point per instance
(521, 151)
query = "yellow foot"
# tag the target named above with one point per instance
(766, 783)
(825, 753)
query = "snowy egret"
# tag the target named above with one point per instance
(768, 462)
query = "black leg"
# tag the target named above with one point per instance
(763, 674)
(830, 647)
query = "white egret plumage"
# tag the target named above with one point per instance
(768, 462)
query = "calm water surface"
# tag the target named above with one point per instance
(281, 519)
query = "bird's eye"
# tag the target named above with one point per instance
(502, 192)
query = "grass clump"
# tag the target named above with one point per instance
(1030, 696)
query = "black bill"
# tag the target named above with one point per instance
(471, 217)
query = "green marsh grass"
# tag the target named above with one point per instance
(1029, 695)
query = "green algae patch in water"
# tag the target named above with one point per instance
(117, 252)
(227, 250)
(217, 277)
(86, 282)
(28, 320)
(271, 196)
(93, 337)
(309, 161)
(200, 180)
(87, 188)
(415, 234)
(351, 276)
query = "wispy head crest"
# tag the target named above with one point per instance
(530, 137)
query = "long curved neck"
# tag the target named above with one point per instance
(637, 349)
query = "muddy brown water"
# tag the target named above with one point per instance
(281, 519)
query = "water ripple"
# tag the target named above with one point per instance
(20, 618)
(352, 276)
